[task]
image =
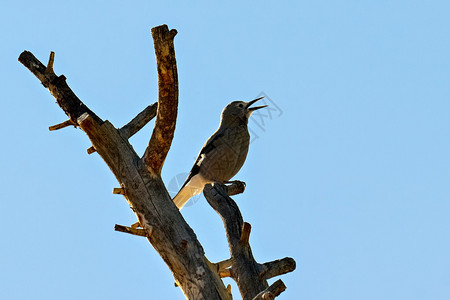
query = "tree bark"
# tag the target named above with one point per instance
(142, 187)
(171, 236)
(250, 276)
(166, 117)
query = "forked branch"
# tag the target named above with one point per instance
(146, 194)
(249, 275)
(141, 185)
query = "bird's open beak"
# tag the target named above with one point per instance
(256, 107)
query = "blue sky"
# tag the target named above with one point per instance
(349, 176)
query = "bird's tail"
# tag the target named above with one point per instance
(193, 187)
(183, 196)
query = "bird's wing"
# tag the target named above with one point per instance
(207, 148)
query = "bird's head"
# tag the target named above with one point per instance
(239, 111)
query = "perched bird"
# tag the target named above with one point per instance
(224, 152)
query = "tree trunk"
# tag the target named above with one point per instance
(141, 184)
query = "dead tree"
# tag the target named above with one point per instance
(141, 185)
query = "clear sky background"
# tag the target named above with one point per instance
(349, 173)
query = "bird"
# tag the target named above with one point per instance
(223, 154)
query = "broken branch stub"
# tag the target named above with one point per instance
(139, 121)
(272, 291)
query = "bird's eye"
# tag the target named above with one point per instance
(240, 105)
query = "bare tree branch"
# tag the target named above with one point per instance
(142, 187)
(249, 275)
(66, 99)
(171, 236)
(245, 270)
(166, 117)
(236, 187)
(139, 121)
(131, 230)
(62, 125)
(277, 267)
(272, 291)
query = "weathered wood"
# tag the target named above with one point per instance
(62, 125)
(171, 236)
(139, 121)
(91, 150)
(51, 60)
(222, 265)
(272, 291)
(222, 268)
(142, 187)
(119, 191)
(236, 187)
(133, 231)
(245, 234)
(249, 275)
(135, 225)
(245, 270)
(57, 85)
(225, 273)
(166, 116)
(277, 267)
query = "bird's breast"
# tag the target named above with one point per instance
(228, 156)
